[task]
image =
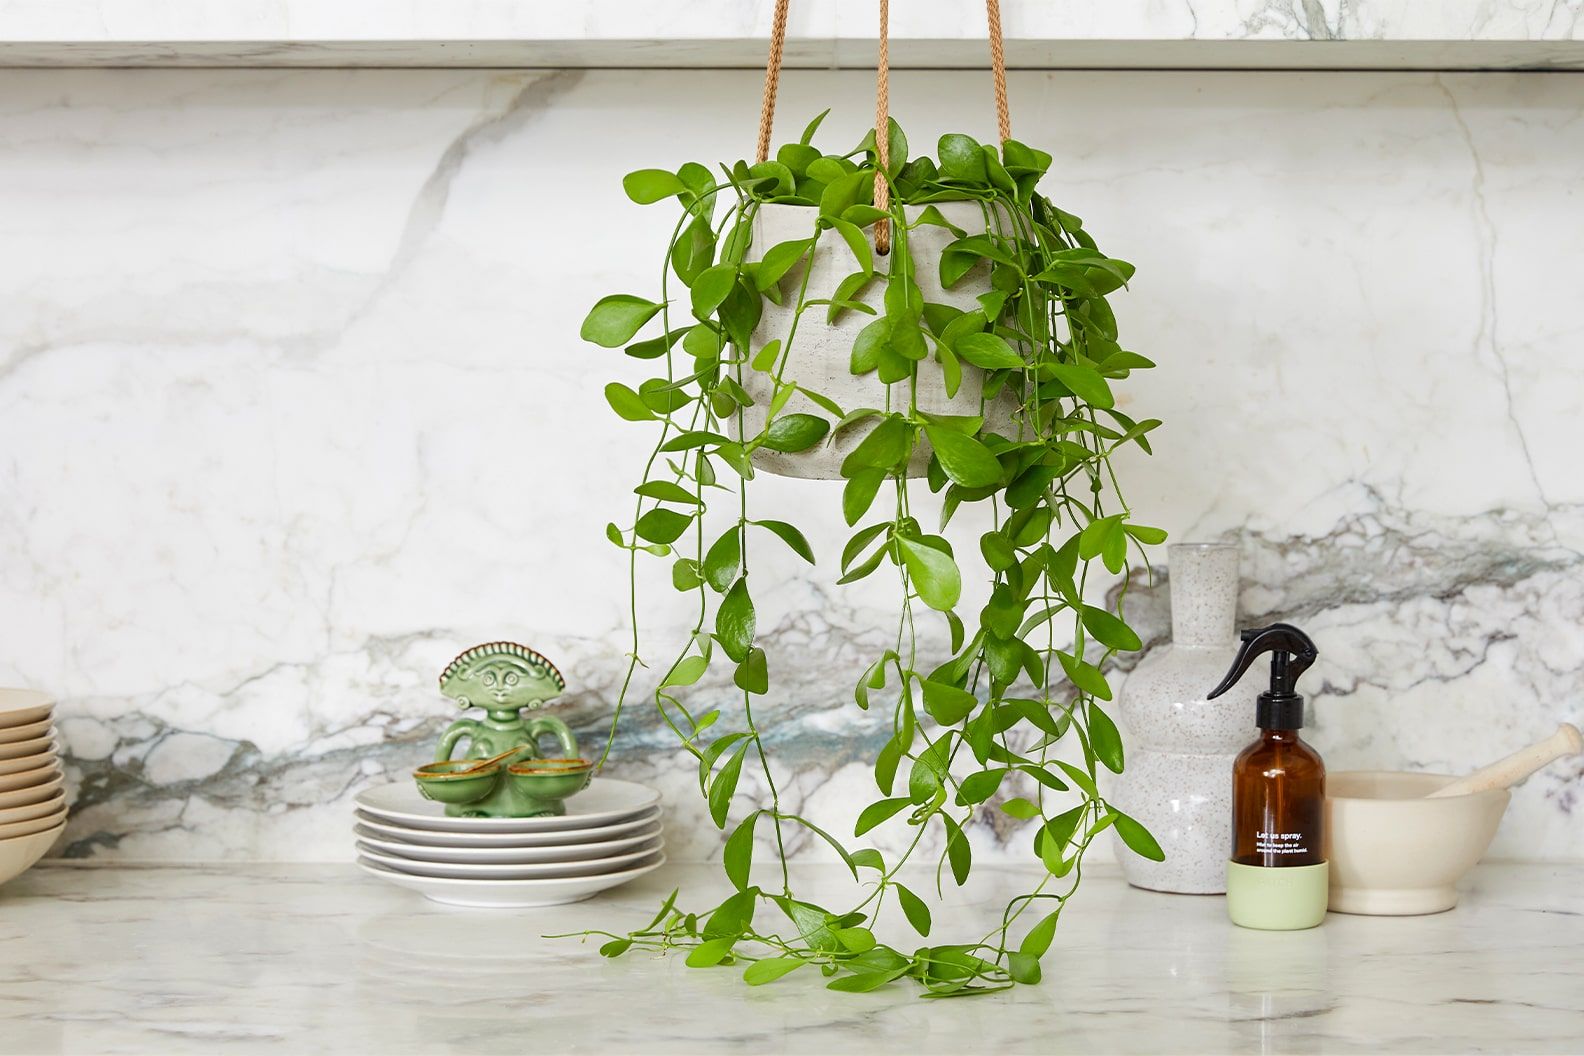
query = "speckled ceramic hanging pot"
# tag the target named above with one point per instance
(1178, 779)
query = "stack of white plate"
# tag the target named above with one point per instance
(32, 802)
(610, 834)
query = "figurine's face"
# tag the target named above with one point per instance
(500, 682)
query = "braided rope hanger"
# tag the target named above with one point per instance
(882, 190)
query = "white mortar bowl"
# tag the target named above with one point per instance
(1395, 853)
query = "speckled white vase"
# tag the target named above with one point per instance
(1178, 778)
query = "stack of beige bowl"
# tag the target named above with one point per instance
(32, 802)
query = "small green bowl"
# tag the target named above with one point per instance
(443, 783)
(546, 783)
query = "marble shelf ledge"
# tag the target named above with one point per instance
(244, 958)
(1202, 34)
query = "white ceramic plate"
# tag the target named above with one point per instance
(390, 830)
(504, 894)
(19, 706)
(38, 775)
(566, 852)
(605, 800)
(14, 829)
(28, 731)
(486, 871)
(18, 855)
(23, 797)
(23, 749)
(25, 763)
(42, 809)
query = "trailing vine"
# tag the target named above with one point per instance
(1024, 679)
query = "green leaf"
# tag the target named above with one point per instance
(914, 909)
(753, 674)
(859, 494)
(1085, 675)
(790, 536)
(737, 858)
(864, 982)
(1105, 739)
(725, 785)
(958, 854)
(666, 491)
(1023, 968)
(846, 295)
(961, 158)
(710, 953)
(1110, 631)
(1138, 838)
(875, 813)
(976, 788)
(614, 320)
(712, 287)
(935, 575)
(1038, 940)
(856, 940)
(627, 403)
(870, 346)
(965, 460)
(765, 358)
(687, 671)
(723, 560)
(615, 947)
(1021, 808)
(796, 432)
(770, 969)
(947, 704)
(647, 186)
(685, 574)
(734, 621)
(1145, 534)
(885, 447)
(1085, 383)
(662, 525)
(869, 858)
(989, 352)
(812, 127)
(780, 259)
(856, 241)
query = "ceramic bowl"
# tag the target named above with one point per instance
(21, 706)
(511, 871)
(14, 829)
(1395, 853)
(552, 838)
(23, 797)
(528, 855)
(455, 780)
(607, 801)
(30, 778)
(22, 764)
(27, 731)
(549, 782)
(501, 894)
(23, 749)
(55, 803)
(19, 853)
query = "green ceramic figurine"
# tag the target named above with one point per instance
(501, 773)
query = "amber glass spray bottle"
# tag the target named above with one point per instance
(1277, 877)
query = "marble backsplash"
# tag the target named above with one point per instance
(292, 409)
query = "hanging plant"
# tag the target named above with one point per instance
(951, 331)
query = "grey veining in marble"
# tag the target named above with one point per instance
(292, 958)
(243, 523)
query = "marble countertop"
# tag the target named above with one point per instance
(242, 958)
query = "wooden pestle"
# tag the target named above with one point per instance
(1514, 768)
